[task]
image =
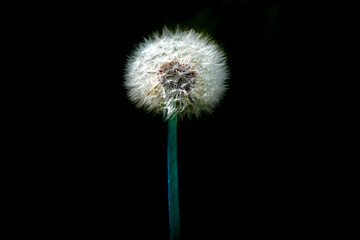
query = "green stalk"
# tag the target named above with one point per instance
(173, 192)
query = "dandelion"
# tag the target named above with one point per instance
(179, 74)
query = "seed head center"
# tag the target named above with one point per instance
(175, 75)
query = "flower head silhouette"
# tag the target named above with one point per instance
(178, 73)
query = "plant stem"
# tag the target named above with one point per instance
(173, 192)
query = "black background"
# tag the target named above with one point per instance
(91, 164)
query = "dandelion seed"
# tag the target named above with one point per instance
(187, 70)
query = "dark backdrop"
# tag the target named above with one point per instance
(93, 165)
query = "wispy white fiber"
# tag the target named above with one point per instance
(179, 73)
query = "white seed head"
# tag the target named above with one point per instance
(179, 73)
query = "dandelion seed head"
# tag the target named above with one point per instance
(179, 73)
